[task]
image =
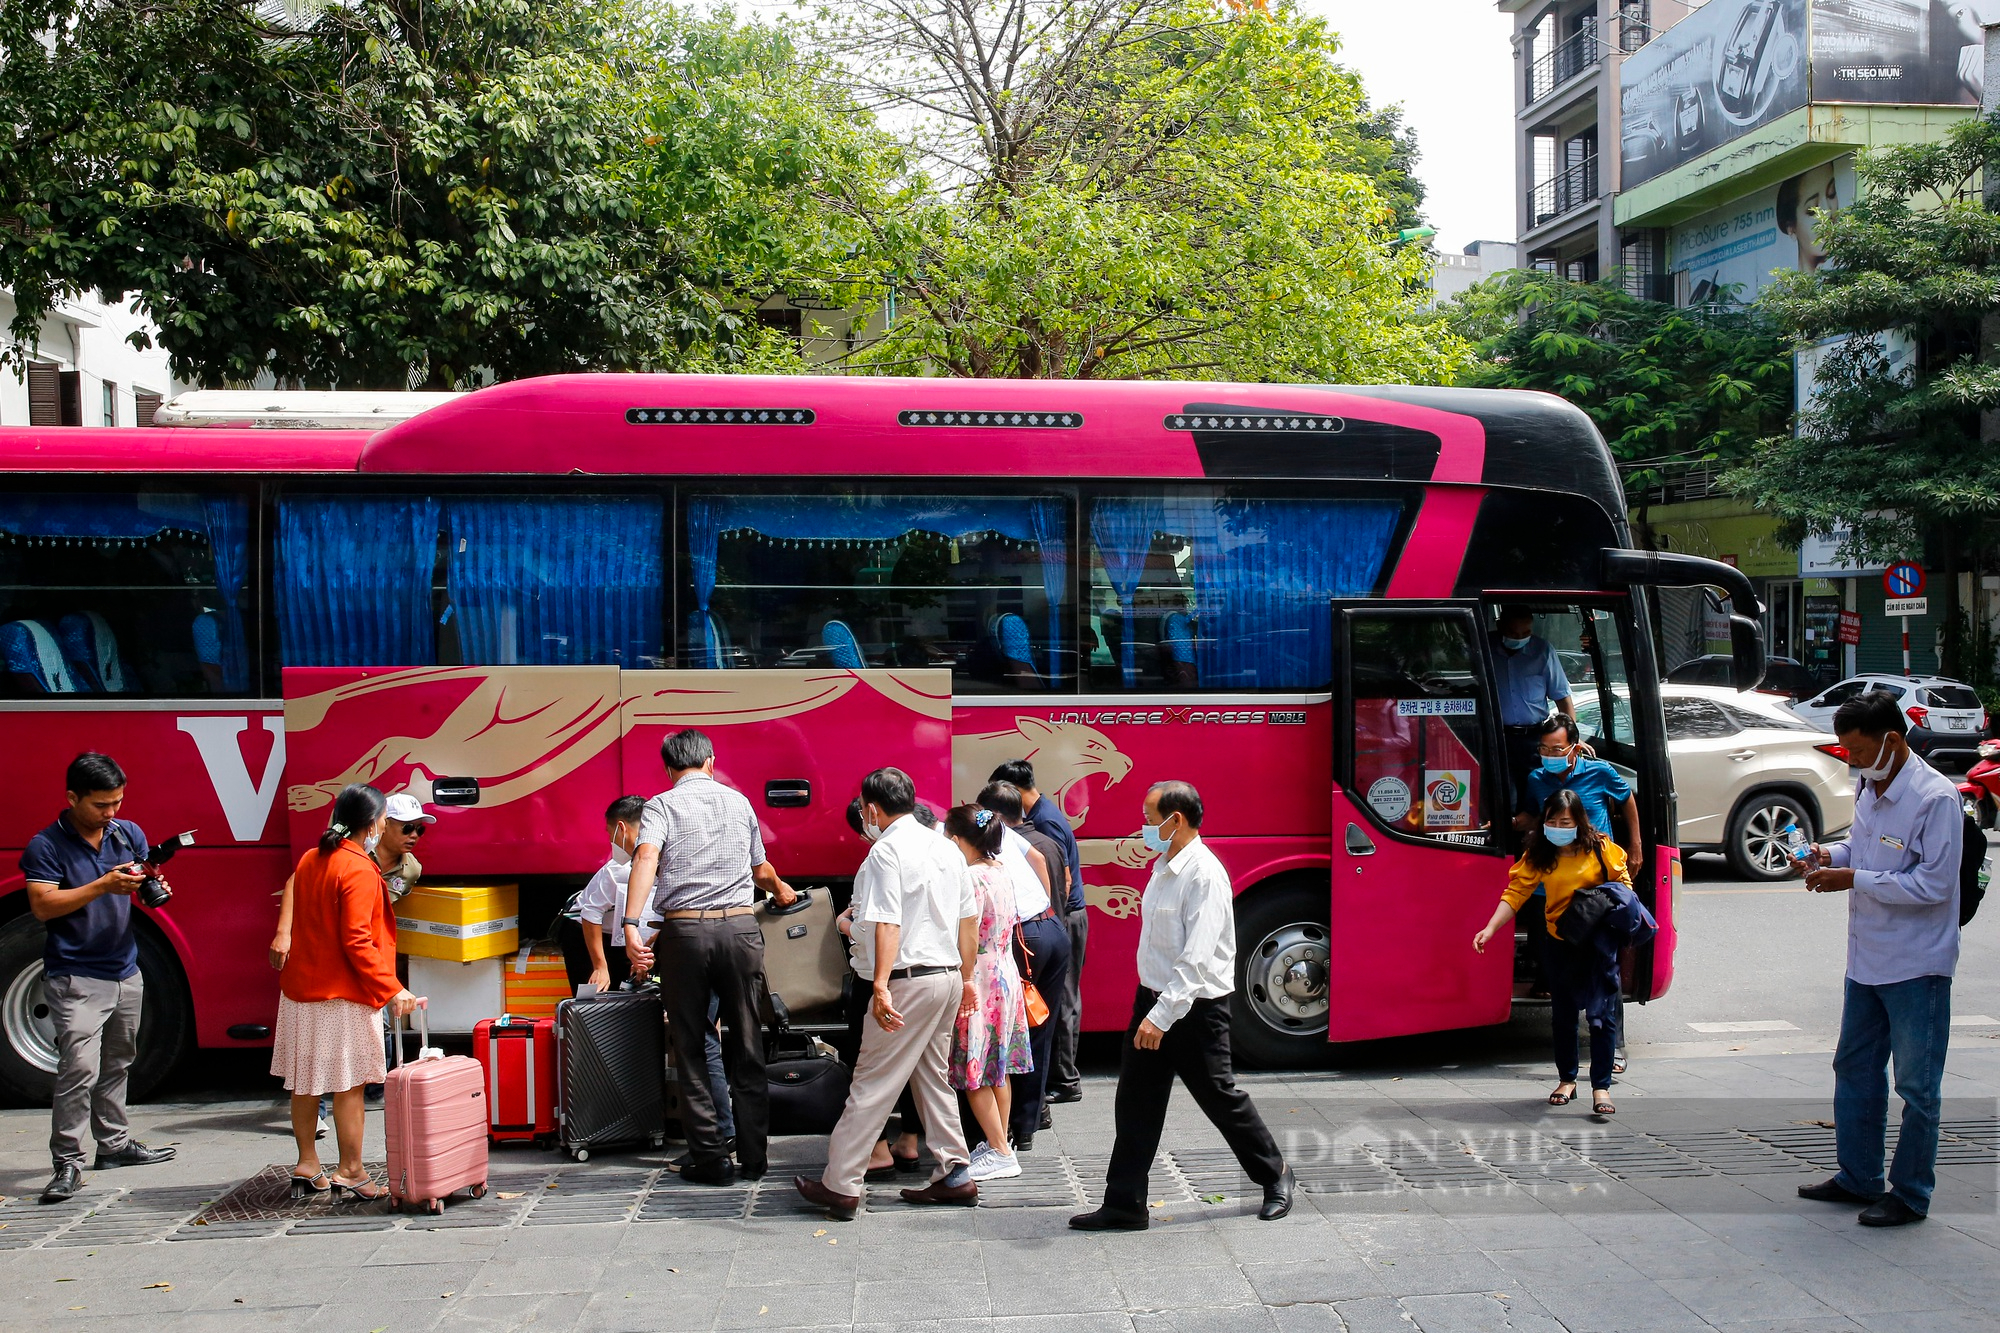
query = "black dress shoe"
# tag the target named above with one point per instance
(719, 1172)
(1021, 1142)
(1047, 1121)
(1059, 1096)
(1832, 1191)
(134, 1153)
(1278, 1197)
(839, 1207)
(1108, 1218)
(1889, 1211)
(62, 1186)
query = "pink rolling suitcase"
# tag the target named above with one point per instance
(434, 1116)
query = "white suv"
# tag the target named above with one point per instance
(1946, 718)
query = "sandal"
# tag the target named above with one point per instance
(1561, 1098)
(1603, 1106)
(364, 1190)
(908, 1166)
(875, 1175)
(304, 1187)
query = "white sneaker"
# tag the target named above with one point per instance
(995, 1165)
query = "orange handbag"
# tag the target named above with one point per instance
(1038, 1008)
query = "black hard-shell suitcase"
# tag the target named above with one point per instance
(611, 1071)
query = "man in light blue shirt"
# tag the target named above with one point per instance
(1899, 867)
(1528, 677)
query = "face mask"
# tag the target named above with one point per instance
(369, 843)
(870, 829)
(1155, 837)
(1515, 645)
(619, 856)
(1555, 763)
(1561, 837)
(1878, 770)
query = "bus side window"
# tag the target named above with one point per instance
(135, 593)
(1215, 590)
(872, 577)
(474, 580)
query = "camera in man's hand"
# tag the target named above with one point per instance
(153, 891)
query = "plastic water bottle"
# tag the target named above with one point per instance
(1796, 845)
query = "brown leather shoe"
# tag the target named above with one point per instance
(839, 1207)
(962, 1196)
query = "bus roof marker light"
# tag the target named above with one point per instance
(1268, 422)
(723, 416)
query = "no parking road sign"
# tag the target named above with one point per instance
(1905, 578)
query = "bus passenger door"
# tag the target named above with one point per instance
(1420, 824)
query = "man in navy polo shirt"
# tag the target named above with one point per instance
(82, 871)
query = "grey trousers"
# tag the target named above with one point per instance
(916, 1056)
(1069, 1014)
(97, 1034)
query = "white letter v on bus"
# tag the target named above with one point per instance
(247, 806)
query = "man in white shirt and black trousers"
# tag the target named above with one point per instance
(1180, 1020)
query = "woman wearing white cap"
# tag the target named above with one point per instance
(407, 821)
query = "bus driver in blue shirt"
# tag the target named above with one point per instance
(1529, 679)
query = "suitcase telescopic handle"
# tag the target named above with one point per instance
(424, 1049)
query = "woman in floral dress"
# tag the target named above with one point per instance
(992, 1037)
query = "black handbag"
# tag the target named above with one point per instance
(808, 1091)
(1587, 908)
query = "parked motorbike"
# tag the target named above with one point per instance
(1980, 788)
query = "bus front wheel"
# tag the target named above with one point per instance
(1284, 959)
(27, 1030)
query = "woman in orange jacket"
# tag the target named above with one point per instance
(339, 974)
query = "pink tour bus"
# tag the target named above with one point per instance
(1282, 593)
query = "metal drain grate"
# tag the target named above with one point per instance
(267, 1197)
(1538, 1159)
(670, 1200)
(1044, 1182)
(1432, 1163)
(26, 1221)
(1212, 1171)
(1727, 1152)
(1344, 1171)
(1625, 1156)
(134, 1217)
(584, 1196)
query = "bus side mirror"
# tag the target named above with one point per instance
(1746, 653)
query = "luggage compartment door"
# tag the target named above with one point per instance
(1420, 826)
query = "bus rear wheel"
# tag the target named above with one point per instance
(27, 1029)
(1284, 961)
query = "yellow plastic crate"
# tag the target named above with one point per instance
(535, 981)
(459, 923)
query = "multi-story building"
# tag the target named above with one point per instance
(1736, 123)
(1452, 274)
(83, 371)
(1567, 57)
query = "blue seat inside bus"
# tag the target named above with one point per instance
(91, 649)
(34, 655)
(836, 636)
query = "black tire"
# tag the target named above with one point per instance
(1756, 846)
(27, 1069)
(1281, 931)
(1989, 813)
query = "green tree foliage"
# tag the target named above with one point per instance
(386, 192)
(1670, 387)
(1118, 188)
(1892, 445)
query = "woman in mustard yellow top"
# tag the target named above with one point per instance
(1564, 855)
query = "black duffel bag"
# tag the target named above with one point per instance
(808, 1090)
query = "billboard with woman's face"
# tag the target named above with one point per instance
(1737, 248)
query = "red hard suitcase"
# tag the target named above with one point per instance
(434, 1117)
(518, 1056)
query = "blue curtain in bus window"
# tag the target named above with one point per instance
(1123, 533)
(830, 518)
(556, 581)
(1265, 571)
(229, 541)
(354, 580)
(1050, 519)
(704, 536)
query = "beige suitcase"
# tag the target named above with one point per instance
(805, 957)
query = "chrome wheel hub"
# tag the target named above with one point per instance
(1287, 978)
(24, 1016)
